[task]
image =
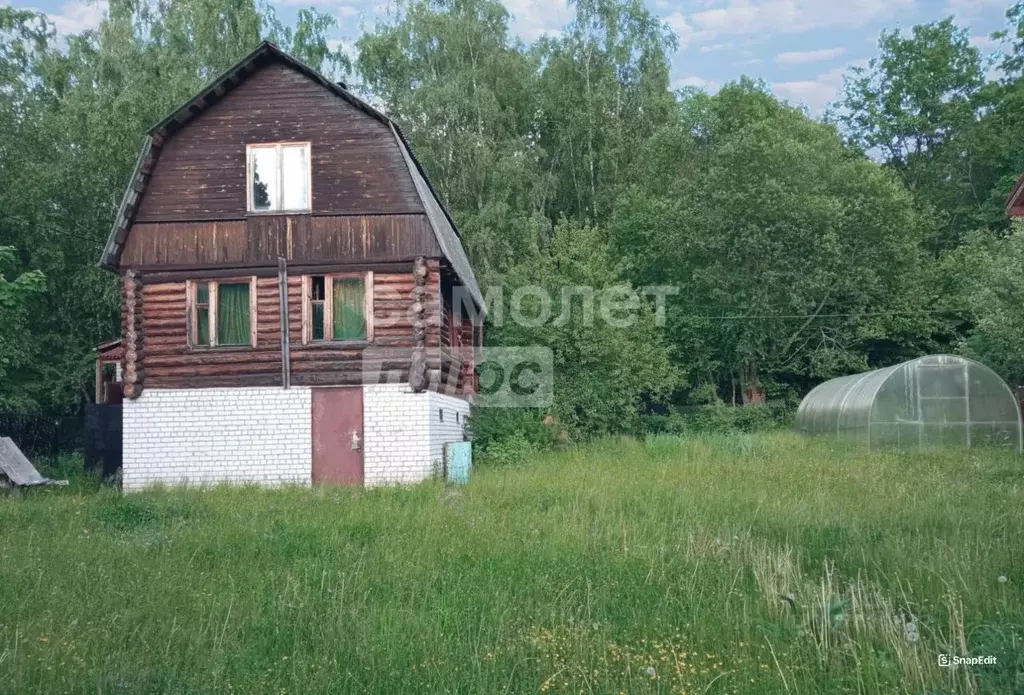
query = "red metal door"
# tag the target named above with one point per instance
(338, 435)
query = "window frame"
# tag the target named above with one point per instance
(192, 316)
(307, 308)
(277, 146)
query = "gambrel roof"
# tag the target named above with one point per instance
(445, 231)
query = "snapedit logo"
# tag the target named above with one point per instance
(953, 660)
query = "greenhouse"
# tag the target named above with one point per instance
(931, 401)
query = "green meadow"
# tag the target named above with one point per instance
(760, 563)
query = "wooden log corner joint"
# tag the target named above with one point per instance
(133, 337)
(418, 367)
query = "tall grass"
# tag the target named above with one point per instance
(730, 564)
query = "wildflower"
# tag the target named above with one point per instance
(651, 672)
(1002, 579)
(910, 630)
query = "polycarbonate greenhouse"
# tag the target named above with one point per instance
(931, 401)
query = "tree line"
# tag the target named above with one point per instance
(803, 248)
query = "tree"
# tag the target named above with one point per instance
(791, 252)
(72, 120)
(918, 106)
(995, 293)
(605, 372)
(604, 90)
(14, 334)
(463, 91)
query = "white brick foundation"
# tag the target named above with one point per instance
(264, 435)
(448, 429)
(404, 434)
(202, 436)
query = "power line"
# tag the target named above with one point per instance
(860, 314)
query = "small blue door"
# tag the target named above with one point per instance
(458, 459)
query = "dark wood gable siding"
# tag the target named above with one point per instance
(357, 166)
(261, 240)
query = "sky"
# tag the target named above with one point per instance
(801, 48)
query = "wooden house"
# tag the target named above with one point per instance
(297, 303)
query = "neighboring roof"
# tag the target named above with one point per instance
(1015, 203)
(110, 351)
(441, 222)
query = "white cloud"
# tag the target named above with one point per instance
(969, 9)
(347, 46)
(801, 57)
(715, 47)
(533, 18)
(687, 34)
(768, 17)
(78, 16)
(709, 86)
(346, 11)
(984, 43)
(690, 81)
(818, 93)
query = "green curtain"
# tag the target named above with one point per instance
(203, 321)
(233, 314)
(349, 319)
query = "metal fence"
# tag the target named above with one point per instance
(43, 434)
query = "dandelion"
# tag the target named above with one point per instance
(1003, 579)
(651, 672)
(910, 630)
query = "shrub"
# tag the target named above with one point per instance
(510, 450)
(491, 425)
(719, 418)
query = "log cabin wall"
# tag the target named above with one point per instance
(467, 375)
(170, 363)
(437, 356)
(457, 359)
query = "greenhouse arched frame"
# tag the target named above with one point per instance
(938, 400)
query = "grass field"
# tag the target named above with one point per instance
(623, 566)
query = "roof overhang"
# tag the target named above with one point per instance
(445, 231)
(110, 351)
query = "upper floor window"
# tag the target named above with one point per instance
(222, 313)
(278, 177)
(337, 308)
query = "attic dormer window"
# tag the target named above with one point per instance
(278, 177)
